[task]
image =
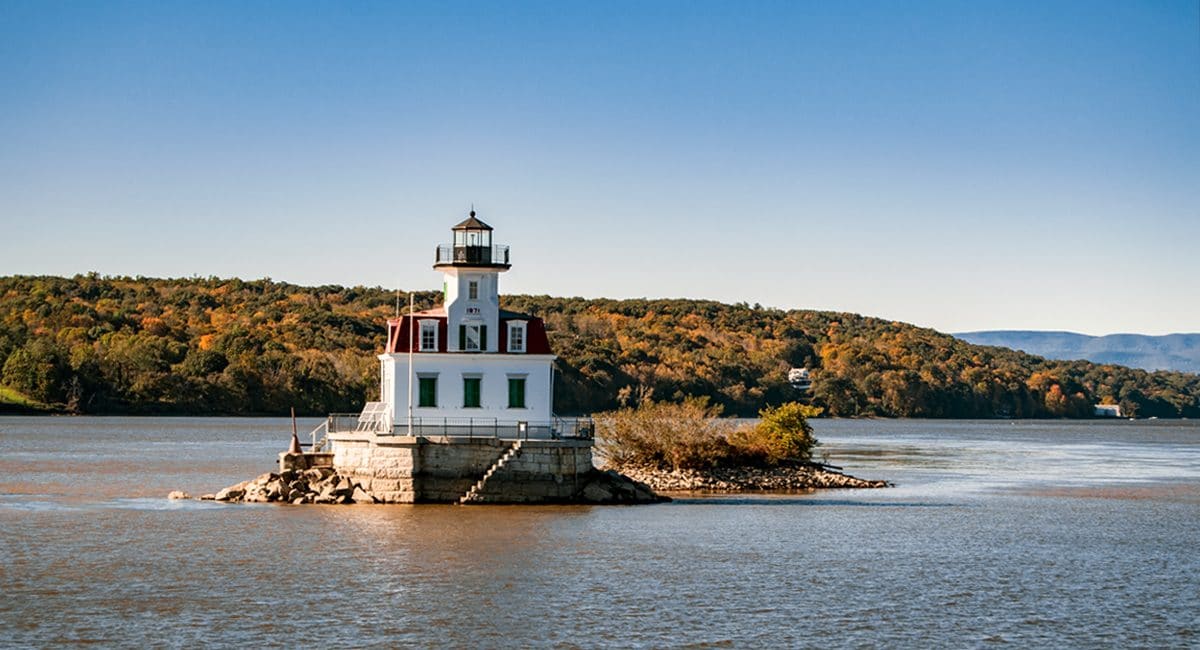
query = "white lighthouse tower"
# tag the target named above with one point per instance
(469, 367)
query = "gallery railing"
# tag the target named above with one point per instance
(580, 428)
(496, 255)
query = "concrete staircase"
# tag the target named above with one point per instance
(474, 495)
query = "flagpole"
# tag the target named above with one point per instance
(411, 328)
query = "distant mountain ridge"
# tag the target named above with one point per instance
(1180, 352)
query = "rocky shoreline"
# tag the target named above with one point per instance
(316, 485)
(323, 485)
(630, 485)
(783, 477)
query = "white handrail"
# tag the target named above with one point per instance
(323, 425)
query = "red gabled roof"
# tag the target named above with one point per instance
(402, 336)
(536, 341)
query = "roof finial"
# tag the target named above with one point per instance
(472, 208)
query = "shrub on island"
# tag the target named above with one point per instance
(692, 435)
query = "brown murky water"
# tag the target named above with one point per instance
(1037, 534)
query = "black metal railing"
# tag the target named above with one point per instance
(581, 428)
(496, 255)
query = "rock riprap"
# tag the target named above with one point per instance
(632, 485)
(324, 485)
(317, 485)
(786, 476)
(612, 487)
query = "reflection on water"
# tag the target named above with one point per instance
(1038, 534)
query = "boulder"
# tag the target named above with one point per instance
(179, 494)
(317, 474)
(360, 496)
(233, 492)
(229, 494)
(596, 492)
(643, 493)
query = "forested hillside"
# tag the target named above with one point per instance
(93, 344)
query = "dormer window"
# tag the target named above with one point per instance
(516, 336)
(429, 336)
(472, 338)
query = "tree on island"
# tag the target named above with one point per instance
(692, 435)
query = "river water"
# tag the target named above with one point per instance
(1035, 534)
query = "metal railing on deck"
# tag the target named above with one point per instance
(559, 427)
(490, 255)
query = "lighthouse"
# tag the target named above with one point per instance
(469, 367)
(465, 413)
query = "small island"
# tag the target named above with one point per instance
(646, 451)
(687, 447)
(465, 415)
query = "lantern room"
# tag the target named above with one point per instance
(472, 247)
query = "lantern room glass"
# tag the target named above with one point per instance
(473, 237)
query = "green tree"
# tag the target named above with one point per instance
(783, 433)
(39, 370)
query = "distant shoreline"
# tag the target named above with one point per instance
(187, 347)
(18, 410)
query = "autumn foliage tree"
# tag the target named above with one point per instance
(228, 346)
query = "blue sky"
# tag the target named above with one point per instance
(958, 165)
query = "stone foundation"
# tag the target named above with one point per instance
(413, 469)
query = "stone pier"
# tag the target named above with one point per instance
(418, 469)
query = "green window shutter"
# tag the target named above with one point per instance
(471, 392)
(428, 391)
(516, 393)
(462, 337)
(483, 338)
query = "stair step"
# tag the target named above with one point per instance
(474, 493)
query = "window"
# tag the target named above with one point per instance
(472, 338)
(516, 336)
(516, 392)
(473, 290)
(427, 387)
(471, 392)
(429, 336)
